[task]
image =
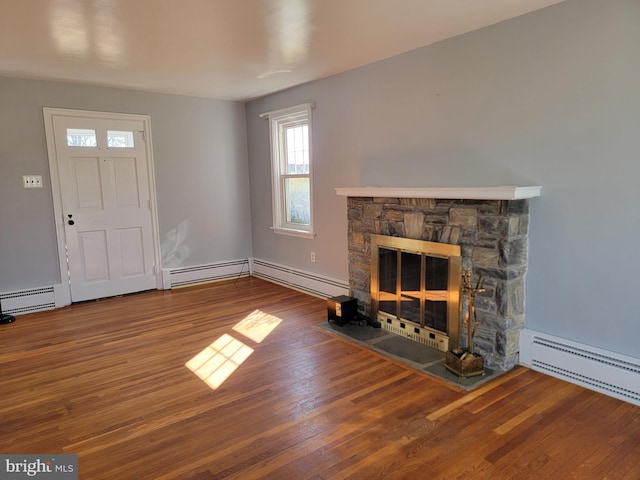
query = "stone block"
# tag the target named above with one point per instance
(517, 206)
(486, 257)
(392, 229)
(513, 252)
(523, 225)
(372, 211)
(513, 226)
(357, 238)
(450, 235)
(493, 226)
(508, 342)
(418, 203)
(510, 297)
(386, 200)
(414, 225)
(392, 215)
(463, 217)
(354, 213)
(437, 219)
(502, 273)
(429, 233)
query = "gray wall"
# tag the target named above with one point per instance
(200, 156)
(551, 98)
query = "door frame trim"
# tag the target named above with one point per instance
(49, 113)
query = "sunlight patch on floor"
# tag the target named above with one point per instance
(218, 361)
(257, 325)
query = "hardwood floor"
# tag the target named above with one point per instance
(107, 380)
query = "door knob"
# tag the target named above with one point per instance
(71, 222)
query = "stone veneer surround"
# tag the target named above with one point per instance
(493, 236)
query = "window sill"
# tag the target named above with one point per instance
(293, 233)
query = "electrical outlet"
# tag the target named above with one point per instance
(32, 181)
(313, 256)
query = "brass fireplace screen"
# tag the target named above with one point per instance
(415, 289)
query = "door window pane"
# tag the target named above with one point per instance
(81, 137)
(119, 139)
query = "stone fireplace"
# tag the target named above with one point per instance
(490, 225)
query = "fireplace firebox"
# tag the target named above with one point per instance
(415, 289)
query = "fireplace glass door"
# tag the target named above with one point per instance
(436, 279)
(388, 281)
(418, 282)
(421, 296)
(410, 287)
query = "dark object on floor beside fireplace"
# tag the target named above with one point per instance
(6, 318)
(342, 309)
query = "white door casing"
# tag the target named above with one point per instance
(104, 202)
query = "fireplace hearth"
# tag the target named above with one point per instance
(489, 226)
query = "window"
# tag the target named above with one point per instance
(291, 166)
(119, 139)
(80, 137)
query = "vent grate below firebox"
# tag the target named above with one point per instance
(414, 332)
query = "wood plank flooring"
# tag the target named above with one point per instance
(107, 380)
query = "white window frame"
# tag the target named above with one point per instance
(278, 120)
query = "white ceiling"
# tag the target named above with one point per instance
(226, 49)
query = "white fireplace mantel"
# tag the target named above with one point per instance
(453, 193)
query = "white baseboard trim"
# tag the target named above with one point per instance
(307, 282)
(604, 371)
(182, 276)
(37, 299)
(31, 300)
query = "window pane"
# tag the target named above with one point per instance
(436, 279)
(297, 201)
(118, 139)
(297, 149)
(81, 137)
(387, 280)
(410, 266)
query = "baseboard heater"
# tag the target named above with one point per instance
(607, 372)
(303, 281)
(180, 277)
(29, 300)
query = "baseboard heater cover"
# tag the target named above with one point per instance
(607, 372)
(29, 300)
(307, 282)
(179, 277)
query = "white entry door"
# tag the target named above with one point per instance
(106, 204)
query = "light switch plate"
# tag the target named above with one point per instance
(32, 181)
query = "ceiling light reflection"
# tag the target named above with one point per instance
(293, 29)
(108, 38)
(288, 27)
(87, 31)
(68, 25)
